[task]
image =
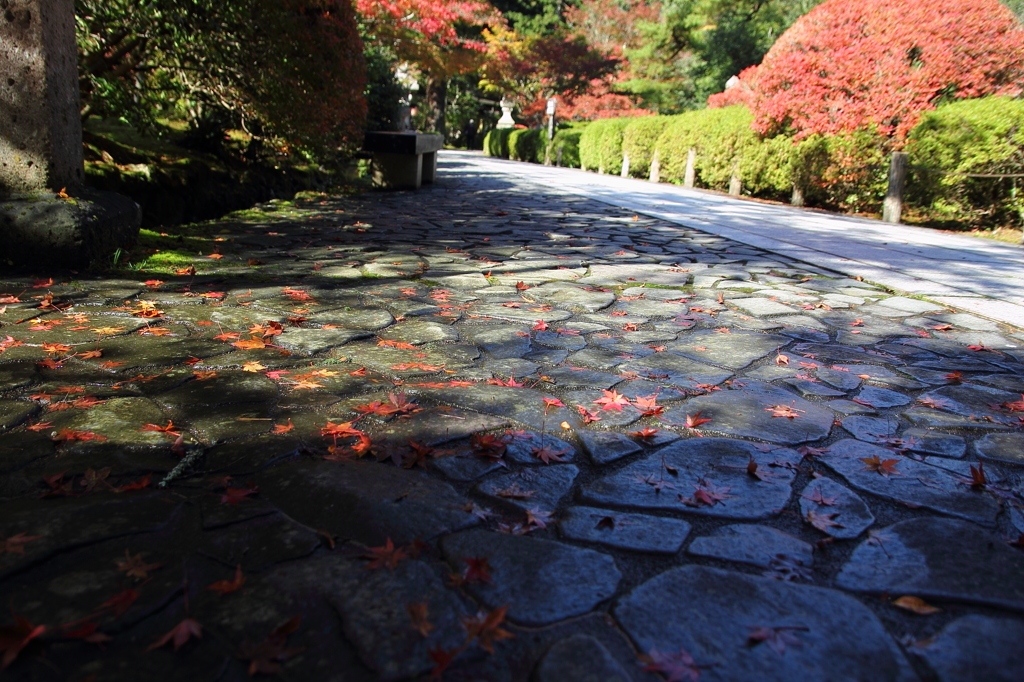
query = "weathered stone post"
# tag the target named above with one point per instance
(41, 146)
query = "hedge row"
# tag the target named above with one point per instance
(979, 136)
(531, 144)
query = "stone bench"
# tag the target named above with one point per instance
(403, 160)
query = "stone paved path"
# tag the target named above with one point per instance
(514, 434)
(977, 275)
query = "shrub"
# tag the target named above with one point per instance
(639, 140)
(601, 145)
(527, 145)
(974, 136)
(767, 167)
(568, 140)
(876, 65)
(496, 142)
(719, 136)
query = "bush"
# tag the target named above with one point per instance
(639, 140)
(568, 140)
(601, 145)
(974, 136)
(527, 145)
(767, 168)
(720, 137)
(496, 142)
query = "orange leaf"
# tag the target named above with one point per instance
(229, 586)
(282, 428)
(916, 605)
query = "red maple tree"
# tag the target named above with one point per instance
(877, 64)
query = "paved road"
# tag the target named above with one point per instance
(968, 273)
(494, 432)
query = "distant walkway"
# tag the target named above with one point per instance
(984, 277)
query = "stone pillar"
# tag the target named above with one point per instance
(506, 120)
(41, 145)
(41, 142)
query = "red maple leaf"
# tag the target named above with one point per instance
(552, 402)
(548, 454)
(589, 417)
(679, 667)
(612, 400)
(229, 586)
(485, 628)
(233, 496)
(387, 556)
(401, 345)
(14, 638)
(883, 466)
(648, 405)
(167, 430)
(695, 420)
(478, 570)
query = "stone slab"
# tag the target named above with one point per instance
(937, 558)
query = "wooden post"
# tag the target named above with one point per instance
(558, 157)
(735, 182)
(893, 205)
(690, 176)
(655, 168)
(625, 164)
(798, 196)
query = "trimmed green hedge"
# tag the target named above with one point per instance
(568, 140)
(601, 145)
(639, 140)
(720, 136)
(527, 144)
(841, 172)
(496, 142)
(984, 135)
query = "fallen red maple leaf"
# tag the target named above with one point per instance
(166, 430)
(612, 400)
(15, 544)
(14, 638)
(485, 628)
(264, 657)
(233, 496)
(179, 634)
(679, 666)
(548, 454)
(883, 466)
(695, 420)
(229, 586)
(648, 405)
(478, 570)
(387, 556)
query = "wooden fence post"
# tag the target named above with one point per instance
(735, 182)
(798, 196)
(655, 168)
(893, 205)
(558, 161)
(691, 171)
(625, 164)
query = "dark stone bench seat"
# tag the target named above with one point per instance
(403, 160)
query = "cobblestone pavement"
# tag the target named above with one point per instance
(490, 432)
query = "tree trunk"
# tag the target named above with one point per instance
(434, 104)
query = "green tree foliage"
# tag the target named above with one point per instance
(697, 45)
(227, 63)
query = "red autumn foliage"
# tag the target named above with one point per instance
(877, 64)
